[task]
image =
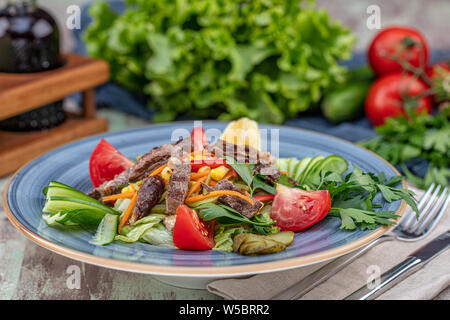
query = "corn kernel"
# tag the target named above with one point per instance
(127, 189)
(219, 172)
(166, 173)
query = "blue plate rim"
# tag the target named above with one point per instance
(198, 271)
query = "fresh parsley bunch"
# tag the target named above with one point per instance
(266, 60)
(423, 136)
(354, 199)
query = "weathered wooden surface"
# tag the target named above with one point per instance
(28, 271)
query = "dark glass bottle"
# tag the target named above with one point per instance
(29, 42)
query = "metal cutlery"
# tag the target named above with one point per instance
(410, 265)
(432, 206)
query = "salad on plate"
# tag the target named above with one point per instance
(227, 195)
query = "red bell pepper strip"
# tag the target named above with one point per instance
(264, 197)
(199, 138)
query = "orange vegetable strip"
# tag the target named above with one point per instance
(212, 183)
(127, 214)
(228, 175)
(219, 193)
(196, 186)
(158, 170)
(288, 173)
(198, 175)
(126, 195)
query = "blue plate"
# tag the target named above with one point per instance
(24, 200)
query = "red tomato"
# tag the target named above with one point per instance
(295, 209)
(384, 100)
(106, 162)
(190, 232)
(199, 138)
(407, 43)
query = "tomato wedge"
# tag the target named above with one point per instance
(199, 138)
(106, 162)
(190, 232)
(294, 209)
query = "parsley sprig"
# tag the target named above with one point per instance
(354, 198)
(250, 177)
(423, 136)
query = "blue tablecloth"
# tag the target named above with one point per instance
(113, 96)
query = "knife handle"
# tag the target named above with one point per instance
(388, 279)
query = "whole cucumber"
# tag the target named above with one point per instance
(346, 102)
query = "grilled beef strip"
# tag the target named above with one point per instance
(264, 162)
(242, 206)
(178, 184)
(144, 166)
(149, 194)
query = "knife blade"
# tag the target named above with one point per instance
(414, 262)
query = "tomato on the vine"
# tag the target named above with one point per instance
(403, 43)
(386, 97)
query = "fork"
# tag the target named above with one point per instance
(432, 206)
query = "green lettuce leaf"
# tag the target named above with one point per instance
(136, 231)
(266, 60)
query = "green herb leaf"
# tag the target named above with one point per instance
(226, 215)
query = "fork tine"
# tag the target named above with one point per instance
(425, 211)
(435, 213)
(405, 223)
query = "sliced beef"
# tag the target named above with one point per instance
(111, 187)
(149, 194)
(150, 161)
(241, 153)
(236, 203)
(178, 184)
(144, 166)
(264, 162)
(268, 170)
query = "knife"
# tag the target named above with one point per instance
(411, 264)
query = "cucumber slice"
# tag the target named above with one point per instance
(52, 191)
(308, 168)
(333, 163)
(56, 204)
(282, 164)
(292, 163)
(106, 230)
(301, 165)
